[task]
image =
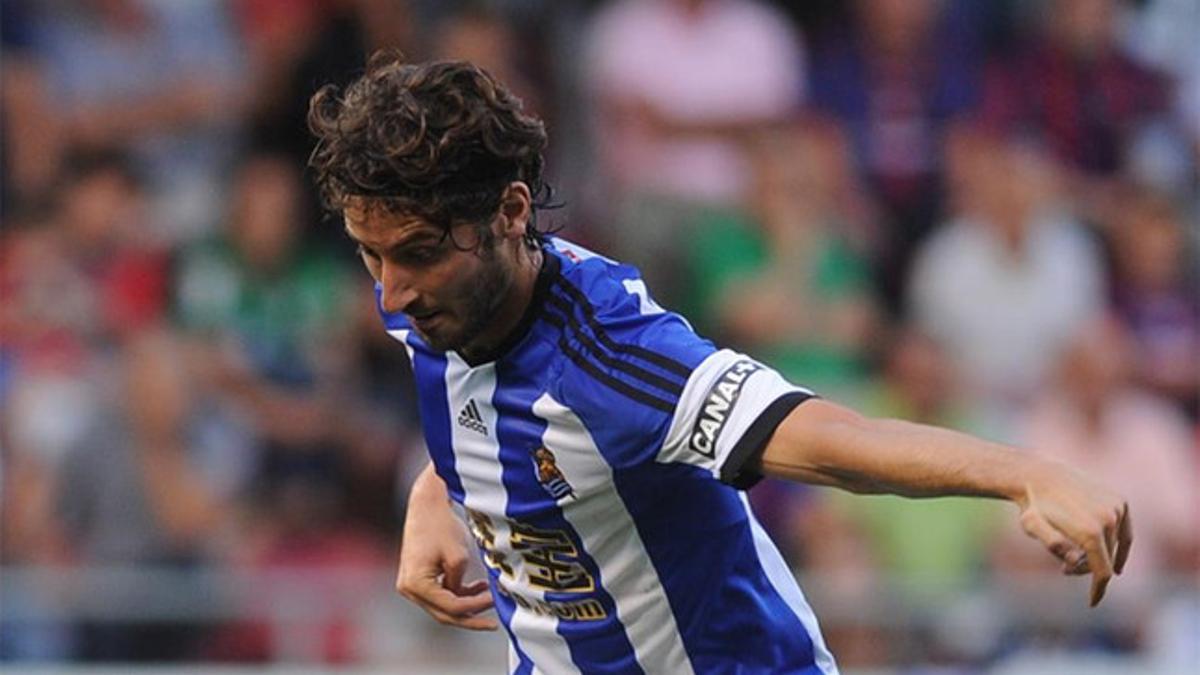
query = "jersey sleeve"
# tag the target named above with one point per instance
(728, 410)
(649, 389)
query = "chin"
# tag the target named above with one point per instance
(440, 340)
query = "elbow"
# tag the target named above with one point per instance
(811, 445)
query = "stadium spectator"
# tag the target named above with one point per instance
(275, 35)
(1155, 295)
(1010, 278)
(159, 80)
(32, 142)
(484, 37)
(787, 278)
(894, 77)
(272, 313)
(668, 136)
(1075, 90)
(150, 483)
(330, 46)
(931, 549)
(75, 283)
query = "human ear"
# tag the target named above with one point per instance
(515, 210)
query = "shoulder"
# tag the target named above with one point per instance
(645, 384)
(611, 300)
(620, 350)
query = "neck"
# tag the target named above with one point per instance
(511, 310)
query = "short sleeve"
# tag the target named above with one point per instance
(647, 387)
(728, 410)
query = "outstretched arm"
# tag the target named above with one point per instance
(433, 559)
(1083, 524)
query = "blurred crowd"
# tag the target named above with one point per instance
(975, 213)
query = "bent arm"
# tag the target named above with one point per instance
(1083, 524)
(433, 559)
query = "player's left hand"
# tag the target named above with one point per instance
(1084, 525)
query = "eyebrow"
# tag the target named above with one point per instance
(417, 238)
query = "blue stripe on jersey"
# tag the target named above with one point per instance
(568, 293)
(560, 314)
(589, 284)
(593, 362)
(524, 665)
(700, 542)
(505, 607)
(430, 373)
(519, 383)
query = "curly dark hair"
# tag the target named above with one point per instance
(439, 140)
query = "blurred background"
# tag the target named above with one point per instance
(975, 213)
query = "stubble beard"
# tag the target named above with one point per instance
(484, 294)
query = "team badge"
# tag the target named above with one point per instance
(549, 475)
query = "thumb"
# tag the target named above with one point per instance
(452, 572)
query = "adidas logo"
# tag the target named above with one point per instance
(471, 419)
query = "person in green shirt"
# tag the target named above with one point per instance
(281, 305)
(787, 278)
(935, 548)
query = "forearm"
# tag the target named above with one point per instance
(434, 557)
(839, 448)
(428, 489)
(429, 514)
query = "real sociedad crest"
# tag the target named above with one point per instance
(549, 475)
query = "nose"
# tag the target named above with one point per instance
(398, 292)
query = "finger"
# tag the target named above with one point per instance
(1076, 564)
(473, 588)
(480, 623)
(452, 572)
(1100, 563)
(446, 602)
(1056, 542)
(1124, 539)
(1110, 538)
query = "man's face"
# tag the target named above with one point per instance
(450, 287)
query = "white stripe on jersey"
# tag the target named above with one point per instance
(401, 335)
(514, 661)
(476, 456)
(541, 642)
(707, 423)
(646, 304)
(785, 584)
(610, 537)
(477, 462)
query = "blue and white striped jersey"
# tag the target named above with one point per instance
(599, 461)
